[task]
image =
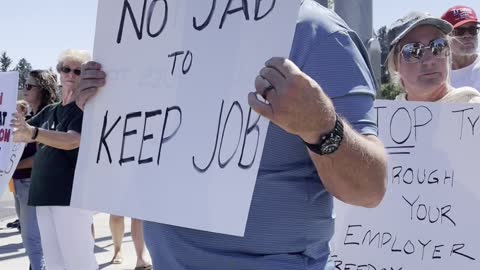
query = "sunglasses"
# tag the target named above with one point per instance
(414, 52)
(29, 87)
(67, 70)
(473, 30)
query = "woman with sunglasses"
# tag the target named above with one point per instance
(67, 242)
(40, 90)
(419, 60)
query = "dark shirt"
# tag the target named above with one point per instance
(29, 151)
(53, 170)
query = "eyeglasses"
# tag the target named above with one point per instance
(414, 52)
(29, 87)
(67, 70)
(473, 30)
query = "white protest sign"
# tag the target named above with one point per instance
(428, 218)
(10, 152)
(171, 137)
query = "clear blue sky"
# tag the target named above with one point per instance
(40, 30)
(386, 12)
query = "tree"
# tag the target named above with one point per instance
(5, 62)
(331, 4)
(23, 67)
(390, 90)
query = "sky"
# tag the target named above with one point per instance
(41, 30)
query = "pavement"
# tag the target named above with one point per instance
(12, 253)
(7, 206)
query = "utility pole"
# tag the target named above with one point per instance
(358, 14)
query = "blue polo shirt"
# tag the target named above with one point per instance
(291, 217)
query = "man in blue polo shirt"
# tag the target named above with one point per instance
(321, 142)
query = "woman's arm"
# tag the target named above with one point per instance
(61, 140)
(26, 163)
(26, 133)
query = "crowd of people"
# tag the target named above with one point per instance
(55, 235)
(321, 143)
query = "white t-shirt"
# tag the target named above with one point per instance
(456, 95)
(467, 76)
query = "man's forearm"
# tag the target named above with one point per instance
(356, 172)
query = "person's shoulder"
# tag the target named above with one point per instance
(72, 105)
(319, 20)
(316, 25)
(50, 107)
(466, 90)
(53, 105)
(73, 108)
(472, 95)
(464, 94)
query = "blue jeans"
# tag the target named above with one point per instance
(28, 222)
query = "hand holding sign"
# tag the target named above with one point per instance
(91, 79)
(173, 121)
(22, 131)
(296, 102)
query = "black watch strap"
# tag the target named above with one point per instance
(330, 142)
(35, 133)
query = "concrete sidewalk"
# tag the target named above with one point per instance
(12, 254)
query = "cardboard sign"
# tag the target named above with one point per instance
(171, 137)
(428, 217)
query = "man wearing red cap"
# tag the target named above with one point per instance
(464, 45)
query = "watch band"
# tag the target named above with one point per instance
(35, 133)
(329, 142)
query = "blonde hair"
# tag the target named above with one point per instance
(392, 66)
(80, 56)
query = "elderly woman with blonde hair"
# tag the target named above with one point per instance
(419, 60)
(67, 242)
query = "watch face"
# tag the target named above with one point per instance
(331, 144)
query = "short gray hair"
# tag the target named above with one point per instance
(80, 56)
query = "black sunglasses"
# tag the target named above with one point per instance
(29, 87)
(414, 52)
(473, 30)
(67, 70)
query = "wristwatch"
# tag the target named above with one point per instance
(330, 142)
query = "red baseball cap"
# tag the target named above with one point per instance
(460, 15)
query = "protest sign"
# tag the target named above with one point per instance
(10, 152)
(171, 137)
(427, 219)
